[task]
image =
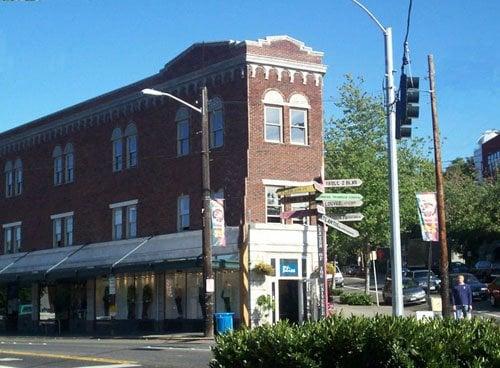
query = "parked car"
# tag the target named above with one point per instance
(479, 289)
(412, 293)
(494, 292)
(420, 276)
(459, 267)
(25, 310)
(339, 278)
(353, 270)
(484, 270)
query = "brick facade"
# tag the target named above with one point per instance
(239, 73)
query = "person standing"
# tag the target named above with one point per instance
(461, 299)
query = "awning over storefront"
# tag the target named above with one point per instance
(140, 254)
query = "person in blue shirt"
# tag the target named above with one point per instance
(461, 299)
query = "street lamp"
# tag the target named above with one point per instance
(208, 278)
(396, 271)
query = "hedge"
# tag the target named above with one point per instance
(382, 341)
(356, 299)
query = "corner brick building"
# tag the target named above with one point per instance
(101, 202)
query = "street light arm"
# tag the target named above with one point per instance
(371, 15)
(154, 92)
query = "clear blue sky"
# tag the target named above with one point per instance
(56, 53)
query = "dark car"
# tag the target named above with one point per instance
(353, 270)
(479, 289)
(484, 270)
(459, 267)
(420, 276)
(412, 293)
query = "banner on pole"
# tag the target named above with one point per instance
(218, 225)
(427, 213)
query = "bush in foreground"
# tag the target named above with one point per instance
(356, 299)
(382, 341)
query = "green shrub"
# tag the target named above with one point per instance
(337, 292)
(382, 341)
(356, 299)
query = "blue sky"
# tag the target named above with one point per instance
(55, 53)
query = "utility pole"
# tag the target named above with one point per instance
(445, 292)
(208, 277)
(396, 269)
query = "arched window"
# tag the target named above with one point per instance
(116, 140)
(216, 122)
(273, 116)
(69, 161)
(9, 179)
(58, 165)
(18, 177)
(299, 108)
(182, 123)
(131, 144)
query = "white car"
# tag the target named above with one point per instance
(339, 278)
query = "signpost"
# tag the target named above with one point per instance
(356, 216)
(342, 183)
(339, 197)
(339, 226)
(355, 203)
(312, 188)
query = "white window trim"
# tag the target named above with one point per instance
(62, 215)
(179, 214)
(281, 140)
(306, 126)
(124, 204)
(12, 224)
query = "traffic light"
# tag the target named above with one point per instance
(407, 105)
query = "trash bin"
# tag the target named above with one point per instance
(223, 322)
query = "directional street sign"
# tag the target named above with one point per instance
(320, 209)
(339, 226)
(339, 197)
(356, 216)
(342, 183)
(312, 188)
(355, 203)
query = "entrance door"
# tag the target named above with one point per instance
(289, 300)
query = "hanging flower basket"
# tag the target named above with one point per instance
(264, 269)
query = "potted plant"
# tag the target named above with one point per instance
(264, 269)
(266, 304)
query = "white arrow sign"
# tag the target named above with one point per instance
(357, 216)
(342, 183)
(339, 226)
(355, 203)
(320, 209)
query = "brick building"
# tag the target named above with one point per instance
(101, 202)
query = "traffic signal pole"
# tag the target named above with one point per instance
(396, 266)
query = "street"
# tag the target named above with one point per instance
(23, 352)
(355, 284)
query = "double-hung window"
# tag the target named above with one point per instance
(182, 123)
(12, 237)
(116, 139)
(124, 217)
(273, 207)
(298, 126)
(9, 179)
(62, 229)
(69, 163)
(273, 123)
(131, 145)
(216, 124)
(183, 213)
(18, 177)
(57, 155)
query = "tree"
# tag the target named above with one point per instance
(472, 211)
(356, 147)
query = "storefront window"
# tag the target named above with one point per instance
(47, 308)
(226, 292)
(102, 298)
(195, 295)
(175, 295)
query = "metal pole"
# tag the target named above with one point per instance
(397, 278)
(375, 280)
(207, 232)
(325, 280)
(429, 264)
(443, 261)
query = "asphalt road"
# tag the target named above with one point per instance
(355, 284)
(101, 353)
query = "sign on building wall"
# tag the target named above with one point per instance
(289, 267)
(218, 225)
(427, 213)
